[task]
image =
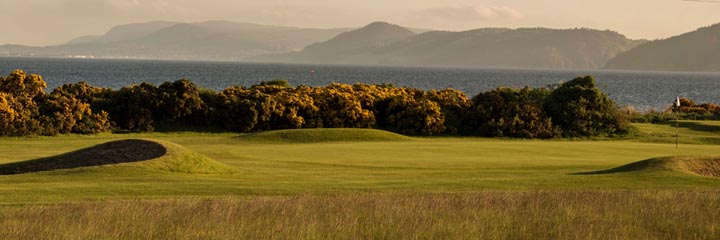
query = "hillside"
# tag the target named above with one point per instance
(387, 44)
(212, 40)
(378, 43)
(694, 51)
(354, 47)
(125, 32)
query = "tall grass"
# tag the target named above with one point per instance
(481, 215)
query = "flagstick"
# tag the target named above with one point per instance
(677, 131)
(677, 122)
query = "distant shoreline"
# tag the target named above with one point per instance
(589, 70)
(642, 89)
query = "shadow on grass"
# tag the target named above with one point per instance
(696, 126)
(647, 164)
(322, 135)
(122, 151)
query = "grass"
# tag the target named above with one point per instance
(703, 166)
(422, 165)
(487, 215)
(304, 183)
(123, 155)
(690, 132)
(324, 135)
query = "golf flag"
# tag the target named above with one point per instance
(677, 102)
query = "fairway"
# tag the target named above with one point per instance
(266, 164)
(356, 183)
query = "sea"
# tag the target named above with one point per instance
(643, 90)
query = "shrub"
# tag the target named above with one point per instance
(410, 116)
(18, 116)
(453, 104)
(133, 108)
(276, 82)
(510, 112)
(20, 84)
(339, 107)
(61, 115)
(177, 100)
(575, 108)
(580, 109)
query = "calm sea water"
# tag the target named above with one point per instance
(643, 90)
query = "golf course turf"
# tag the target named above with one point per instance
(340, 183)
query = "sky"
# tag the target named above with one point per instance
(49, 22)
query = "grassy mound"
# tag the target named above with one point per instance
(705, 166)
(151, 155)
(324, 135)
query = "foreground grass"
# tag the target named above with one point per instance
(487, 215)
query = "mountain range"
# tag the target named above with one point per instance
(383, 43)
(694, 51)
(212, 40)
(386, 44)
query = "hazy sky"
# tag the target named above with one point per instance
(45, 22)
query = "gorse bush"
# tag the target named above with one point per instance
(509, 112)
(25, 109)
(688, 110)
(581, 109)
(574, 109)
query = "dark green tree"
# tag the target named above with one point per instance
(509, 112)
(177, 100)
(580, 109)
(134, 107)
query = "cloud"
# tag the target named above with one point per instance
(472, 13)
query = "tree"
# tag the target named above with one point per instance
(509, 112)
(177, 100)
(581, 109)
(133, 107)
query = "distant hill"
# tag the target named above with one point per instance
(125, 32)
(694, 51)
(378, 43)
(387, 44)
(212, 40)
(354, 47)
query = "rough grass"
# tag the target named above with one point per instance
(147, 154)
(323, 135)
(702, 166)
(486, 215)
